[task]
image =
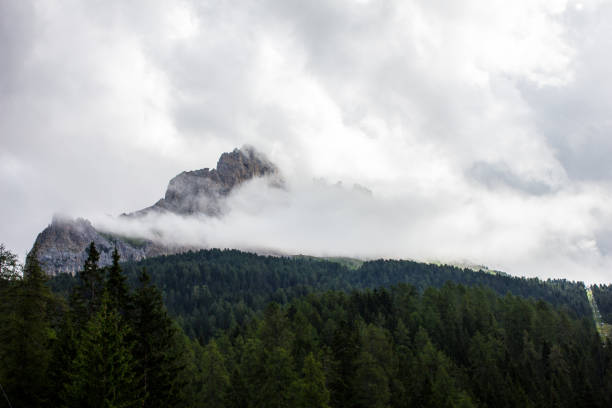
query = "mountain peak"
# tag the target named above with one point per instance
(243, 164)
(62, 245)
(201, 191)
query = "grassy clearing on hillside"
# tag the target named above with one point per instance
(349, 263)
(604, 329)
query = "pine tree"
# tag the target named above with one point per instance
(433, 383)
(63, 354)
(247, 376)
(84, 303)
(86, 297)
(370, 383)
(26, 336)
(275, 330)
(160, 356)
(103, 373)
(275, 388)
(9, 290)
(345, 347)
(311, 390)
(214, 377)
(116, 286)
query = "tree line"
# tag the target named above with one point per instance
(106, 339)
(213, 290)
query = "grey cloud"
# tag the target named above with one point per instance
(496, 175)
(576, 119)
(604, 241)
(16, 39)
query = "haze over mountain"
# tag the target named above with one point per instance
(62, 245)
(203, 191)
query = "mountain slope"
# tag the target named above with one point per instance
(62, 245)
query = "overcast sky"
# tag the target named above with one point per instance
(481, 127)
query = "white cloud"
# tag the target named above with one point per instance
(546, 236)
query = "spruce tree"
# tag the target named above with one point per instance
(9, 287)
(345, 346)
(311, 390)
(26, 336)
(116, 286)
(370, 383)
(63, 354)
(160, 356)
(86, 297)
(275, 387)
(104, 374)
(214, 377)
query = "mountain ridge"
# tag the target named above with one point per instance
(62, 245)
(202, 191)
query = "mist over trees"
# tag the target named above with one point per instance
(264, 331)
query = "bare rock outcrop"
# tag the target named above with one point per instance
(203, 191)
(62, 245)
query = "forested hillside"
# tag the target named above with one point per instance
(212, 290)
(447, 347)
(107, 345)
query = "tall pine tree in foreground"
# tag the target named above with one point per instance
(103, 372)
(85, 299)
(83, 306)
(160, 354)
(25, 337)
(118, 293)
(63, 355)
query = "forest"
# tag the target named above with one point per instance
(212, 290)
(241, 330)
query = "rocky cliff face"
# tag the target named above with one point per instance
(203, 191)
(62, 245)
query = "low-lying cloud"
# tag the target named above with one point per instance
(552, 235)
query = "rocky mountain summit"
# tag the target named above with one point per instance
(62, 245)
(202, 191)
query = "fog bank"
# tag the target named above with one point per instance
(554, 235)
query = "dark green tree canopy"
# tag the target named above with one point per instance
(282, 332)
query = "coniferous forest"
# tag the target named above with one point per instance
(212, 290)
(230, 329)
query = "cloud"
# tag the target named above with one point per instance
(575, 119)
(521, 234)
(481, 128)
(499, 175)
